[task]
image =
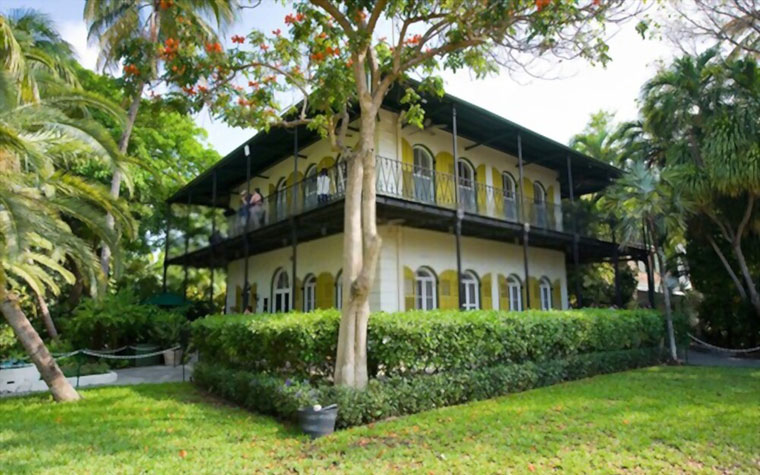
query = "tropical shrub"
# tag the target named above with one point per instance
(117, 320)
(402, 395)
(409, 343)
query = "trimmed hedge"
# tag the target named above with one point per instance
(398, 396)
(410, 343)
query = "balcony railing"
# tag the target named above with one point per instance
(394, 179)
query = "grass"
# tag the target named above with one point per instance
(663, 419)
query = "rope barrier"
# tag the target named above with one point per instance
(725, 350)
(126, 357)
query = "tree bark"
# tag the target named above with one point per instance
(105, 252)
(666, 297)
(60, 387)
(46, 318)
(727, 265)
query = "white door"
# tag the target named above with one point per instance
(510, 203)
(281, 296)
(425, 295)
(423, 175)
(471, 297)
(467, 187)
(539, 205)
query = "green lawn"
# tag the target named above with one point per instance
(653, 420)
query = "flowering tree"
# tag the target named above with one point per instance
(338, 56)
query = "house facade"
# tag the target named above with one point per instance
(475, 212)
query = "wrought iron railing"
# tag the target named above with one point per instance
(394, 179)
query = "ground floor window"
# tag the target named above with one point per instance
(470, 295)
(309, 293)
(514, 289)
(425, 295)
(281, 293)
(545, 292)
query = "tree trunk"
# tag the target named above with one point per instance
(59, 386)
(754, 297)
(727, 265)
(361, 248)
(46, 318)
(105, 252)
(666, 297)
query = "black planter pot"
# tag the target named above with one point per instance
(320, 422)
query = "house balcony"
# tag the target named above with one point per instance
(406, 194)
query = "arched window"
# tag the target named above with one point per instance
(470, 289)
(425, 295)
(341, 172)
(510, 193)
(281, 291)
(423, 175)
(310, 188)
(309, 293)
(545, 293)
(339, 290)
(466, 180)
(539, 205)
(281, 199)
(514, 287)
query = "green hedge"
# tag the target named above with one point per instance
(303, 344)
(397, 396)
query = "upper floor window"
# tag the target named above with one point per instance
(281, 291)
(539, 206)
(309, 293)
(514, 289)
(425, 295)
(539, 193)
(281, 200)
(466, 181)
(470, 289)
(545, 293)
(509, 191)
(310, 188)
(423, 174)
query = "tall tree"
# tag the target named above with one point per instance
(138, 34)
(646, 195)
(598, 139)
(702, 113)
(337, 54)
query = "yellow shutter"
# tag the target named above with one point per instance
(324, 290)
(486, 301)
(535, 296)
(503, 293)
(238, 299)
(408, 288)
(407, 158)
(298, 298)
(444, 179)
(448, 290)
(498, 193)
(550, 194)
(557, 295)
(325, 163)
(480, 179)
(527, 190)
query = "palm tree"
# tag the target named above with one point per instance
(598, 139)
(646, 195)
(132, 30)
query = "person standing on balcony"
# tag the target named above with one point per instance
(323, 187)
(257, 208)
(244, 211)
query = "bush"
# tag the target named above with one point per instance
(303, 345)
(117, 320)
(398, 396)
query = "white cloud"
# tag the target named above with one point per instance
(75, 32)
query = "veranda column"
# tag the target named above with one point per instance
(246, 289)
(526, 225)
(166, 243)
(187, 243)
(212, 240)
(459, 210)
(574, 219)
(649, 264)
(293, 233)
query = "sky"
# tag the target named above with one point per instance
(557, 108)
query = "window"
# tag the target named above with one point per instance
(545, 293)
(423, 175)
(425, 298)
(466, 180)
(310, 188)
(309, 293)
(339, 291)
(470, 287)
(539, 205)
(510, 203)
(514, 289)
(281, 293)
(281, 199)
(342, 174)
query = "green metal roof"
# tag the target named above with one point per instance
(473, 123)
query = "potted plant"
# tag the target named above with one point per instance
(167, 330)
(315, 420)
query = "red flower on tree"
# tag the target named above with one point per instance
(238, 39)
(541, 4)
